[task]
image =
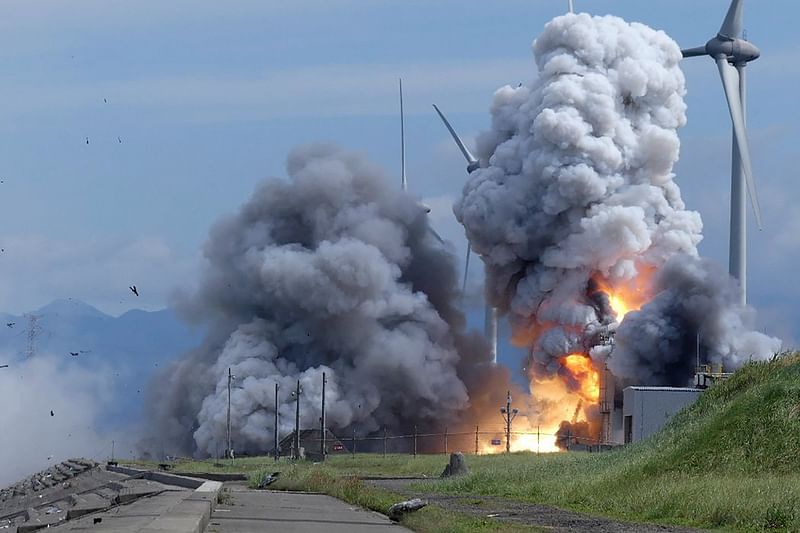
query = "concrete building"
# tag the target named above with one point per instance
(645, 410)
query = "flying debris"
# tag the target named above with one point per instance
(105, 101)
(87, 140)
(3, 366)
(74, 354)
(52, 413)
(10, 324)
(134, 290)
(119, 140)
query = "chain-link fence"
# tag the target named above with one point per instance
(481, 440)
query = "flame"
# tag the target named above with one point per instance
(581, 369)
(628, 295)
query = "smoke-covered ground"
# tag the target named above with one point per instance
(577, 199)
(333, 270)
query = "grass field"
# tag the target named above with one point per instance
(731, 461)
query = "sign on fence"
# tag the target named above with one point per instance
(496, 442)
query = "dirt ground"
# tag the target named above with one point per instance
(543, 516)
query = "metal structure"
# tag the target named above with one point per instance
(277, 449)
(490, 317)
(731, 54)
(296, 395)
(229, 449)
(509, 415)
(646, 410)
(322, 450)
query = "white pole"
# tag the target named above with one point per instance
(738, 229)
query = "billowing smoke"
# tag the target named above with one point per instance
(335, 271)
(577, 199)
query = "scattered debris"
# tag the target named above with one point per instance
(97, 520)
(11, 324)
(397, 510)
(87, 140)
(134, 290)
(52, 414)
(3, 366)
(119, 140)
(268, 479)
(456, 467)
(74, 354)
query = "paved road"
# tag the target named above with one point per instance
(293, 512)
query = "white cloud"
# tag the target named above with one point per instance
(31, 439)
(35, 269)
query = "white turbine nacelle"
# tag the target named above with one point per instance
(731, 54)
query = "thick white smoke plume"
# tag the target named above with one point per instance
(577, 194)
(332, 270)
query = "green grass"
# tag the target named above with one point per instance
(731, 461)
(328, 479)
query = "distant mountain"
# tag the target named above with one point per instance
(132, 347)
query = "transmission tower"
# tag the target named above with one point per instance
(34, 328)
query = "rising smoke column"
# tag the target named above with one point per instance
(578, 196)
(334, 271)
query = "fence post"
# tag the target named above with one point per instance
(476, 440)
(354, 443)
(445, 440)
(538, 447)
(569, 437)
(415, 441)
(384, 442)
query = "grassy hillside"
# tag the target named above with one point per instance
(731, 460)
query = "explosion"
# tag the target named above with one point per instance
(588, 247)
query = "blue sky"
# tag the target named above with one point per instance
(208, 97)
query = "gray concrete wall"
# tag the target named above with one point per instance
(648, 409)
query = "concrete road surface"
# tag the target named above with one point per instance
(293, 512)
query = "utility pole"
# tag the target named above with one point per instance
(229, 451)
(277, 451)
(384, 442)
(415, 441)
(112, 451)
(322, 418)
(296, 395)
(445, 440)
(509, 415)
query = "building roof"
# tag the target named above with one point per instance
(665, 389)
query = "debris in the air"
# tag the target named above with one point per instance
(52, 414)
(119, 140)
(105, 101)
(10, 324)
(134, 290)
(87, 140)
(74, 354)
(3, 366)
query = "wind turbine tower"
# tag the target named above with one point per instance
(490, 317)
(731, 54)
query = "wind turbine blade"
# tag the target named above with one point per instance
(730, 82)
(436, 235)
(571, 7)
(471, 160)
(403, 180)
(466, 269)
(694, 52)
(732, 26)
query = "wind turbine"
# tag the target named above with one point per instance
(732, 53)
(490, 317)
(571, 7)
(403, 179)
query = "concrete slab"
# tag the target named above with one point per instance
(294, 512)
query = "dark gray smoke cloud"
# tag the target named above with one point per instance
(577, 186)
(335, 271)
